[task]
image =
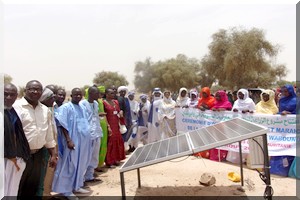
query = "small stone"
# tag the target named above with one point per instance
(207, 179)
(241, 189)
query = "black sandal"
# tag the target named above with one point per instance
(94, 180)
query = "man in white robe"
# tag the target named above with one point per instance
(154, 129)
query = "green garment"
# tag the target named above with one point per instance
(46, 157)
(103, 145)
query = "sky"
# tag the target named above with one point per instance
(68, 43)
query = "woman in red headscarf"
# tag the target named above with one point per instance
(221, 103)
(206, 102)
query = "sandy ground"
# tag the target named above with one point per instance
(180, 177)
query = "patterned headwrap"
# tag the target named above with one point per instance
(47, 93)
(131, 93)
(143, 96)
(101, 89)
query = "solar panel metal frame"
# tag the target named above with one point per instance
(260, 130)
(133, 162)
(193, 148)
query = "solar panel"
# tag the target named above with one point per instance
(157, 152)
(217, 135)
(224, 133)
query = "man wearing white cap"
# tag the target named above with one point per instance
(124, 105)
(134, 109)
(154, 130)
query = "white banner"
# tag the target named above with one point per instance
(282, 135)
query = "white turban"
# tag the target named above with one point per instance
(47, 93)
(131, 93)
(143, 96)
(122, 88)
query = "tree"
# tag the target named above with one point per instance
(7, 78)
(144, 72)
(281, 71)
(176, 72)
(239, 58)
(284, 82)
(109, 79)
(21, 91)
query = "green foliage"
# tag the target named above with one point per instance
(21, 91)
(109, 79)
(170, 74)
(7, 78)
(284, 82)
(143, 75)
(281, 71)
(239, 58)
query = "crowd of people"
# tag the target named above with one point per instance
(56, 146)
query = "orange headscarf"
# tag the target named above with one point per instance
(209, 100)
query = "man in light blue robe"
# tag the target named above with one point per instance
(73, 156)
(91, 109)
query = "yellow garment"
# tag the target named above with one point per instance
(267, 107)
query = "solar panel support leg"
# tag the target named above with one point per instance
(122, 186)
(268, 191)
(241, 163)
(139, 177)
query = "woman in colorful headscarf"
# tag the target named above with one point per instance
(206, 102)
(193, 100)
(221, 103)
(166, 116)
(244, 103)
(103, 123)
(182, 99)
(287, 105)
(267, 103)
(288, 100)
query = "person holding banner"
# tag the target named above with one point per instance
(288, 100)
(206, 102)
(281, 165)
(221, 104)
(243, 104)
(182, 99)
(193, 100)
(267, 103)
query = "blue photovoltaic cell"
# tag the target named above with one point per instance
(219, 134)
